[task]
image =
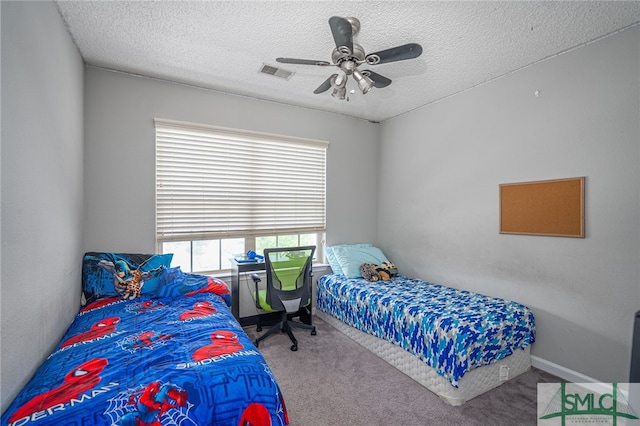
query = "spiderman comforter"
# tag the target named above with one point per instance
(453, 331)
(168, 354)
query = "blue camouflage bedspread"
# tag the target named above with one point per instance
(174, 357)
(453, 331)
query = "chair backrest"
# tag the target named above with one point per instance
(288, 277)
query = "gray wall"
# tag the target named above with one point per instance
(438, 198)
(120, 152)
(42, 187)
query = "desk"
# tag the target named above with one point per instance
(236, 270)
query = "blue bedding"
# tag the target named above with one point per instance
(453, 331)
(175, 356)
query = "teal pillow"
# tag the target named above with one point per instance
(351, 257)
(333, 261)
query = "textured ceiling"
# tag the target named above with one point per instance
(222, 45)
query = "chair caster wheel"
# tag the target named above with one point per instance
(258, 328)
(256, 343)
(313, 332)
(294, 347)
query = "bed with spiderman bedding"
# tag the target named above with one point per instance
(458, 344)
(151, 346)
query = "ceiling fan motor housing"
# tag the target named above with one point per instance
(355, 25)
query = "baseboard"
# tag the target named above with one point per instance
(574, 377)
(560, 371)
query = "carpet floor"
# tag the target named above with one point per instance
(332, 380)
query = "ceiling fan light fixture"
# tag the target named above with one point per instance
(339, 83)
(364, 83)
(339, 92)
(340, 80)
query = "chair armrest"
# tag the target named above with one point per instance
(256, 297)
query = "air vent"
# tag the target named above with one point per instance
(277, 72)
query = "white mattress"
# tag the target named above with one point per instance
(474, 382)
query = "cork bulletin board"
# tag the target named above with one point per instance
(549, 207)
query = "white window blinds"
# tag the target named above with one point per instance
(213, 182)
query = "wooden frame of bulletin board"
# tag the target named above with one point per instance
(549, 207)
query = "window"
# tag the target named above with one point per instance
(221, 192)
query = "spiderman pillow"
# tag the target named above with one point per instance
(174, 283)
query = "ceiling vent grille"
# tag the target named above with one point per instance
(277, 72)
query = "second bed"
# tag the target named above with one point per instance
(458, 344)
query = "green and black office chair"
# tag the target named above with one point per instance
(288, 289)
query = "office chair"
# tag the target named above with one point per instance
(288, 289)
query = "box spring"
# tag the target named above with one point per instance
(474, 382)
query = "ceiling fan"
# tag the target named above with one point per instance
(348, 56)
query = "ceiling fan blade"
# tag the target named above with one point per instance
(398, 53)
(342, 33)
(302, 61)
(324, 86)
(379, 81)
